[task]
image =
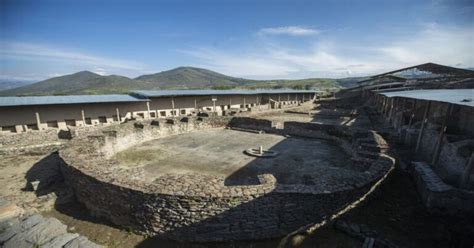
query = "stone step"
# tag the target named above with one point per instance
(37, 231)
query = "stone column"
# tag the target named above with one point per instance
(38, 120)
(214, 99)
(83, 117)
(172, 107)
(148, 109)
(118, 115)
(195, 103)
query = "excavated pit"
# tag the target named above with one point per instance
(190, 181)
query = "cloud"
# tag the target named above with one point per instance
(250, 65)
(434, 43)
(29, 51)
(289, 30)
(100, 71)
(337, 58)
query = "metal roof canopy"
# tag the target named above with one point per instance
(55, 100)
(165, 93)
(454, 96)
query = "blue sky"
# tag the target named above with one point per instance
(252, 39)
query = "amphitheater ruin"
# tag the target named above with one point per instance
(175, 164)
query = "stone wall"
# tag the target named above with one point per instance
(437, 178)
(30, 142)
(199, 207)
(28, 138)
(438, 196)
(251, 123)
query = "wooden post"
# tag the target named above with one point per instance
(279, 101)
(244, 103)
(384, 106)
(38, 120)
(377, 102)
(467, 172)
(439, 144)
(424, 121)
(377, 107)
(118, 115)
(413, 111)
(390, 110)
(195, 104)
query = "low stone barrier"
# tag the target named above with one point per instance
(28, 138)
(251, 123)
(438, 196)
(202, 207)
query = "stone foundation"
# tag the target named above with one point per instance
(202, 207)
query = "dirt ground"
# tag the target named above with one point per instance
(221, 152)
(13, 183)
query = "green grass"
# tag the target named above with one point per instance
(137, 156)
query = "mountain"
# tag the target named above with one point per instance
(86, 82)
(6, 84)
(192, 77)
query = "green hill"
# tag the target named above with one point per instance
(86, 82)
(192, 77)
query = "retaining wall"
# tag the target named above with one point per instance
(199, 207)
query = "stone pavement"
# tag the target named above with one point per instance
(20, 230)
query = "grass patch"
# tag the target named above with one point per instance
(137, 156)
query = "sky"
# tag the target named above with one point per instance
(253, 39)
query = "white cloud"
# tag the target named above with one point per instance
(29, 51)
(438, 44)
(100, 71)
(432, 43)
(250, 65)
(289, 30)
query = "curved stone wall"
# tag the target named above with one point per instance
(201, 207)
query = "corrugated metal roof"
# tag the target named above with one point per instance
(455, 96)
(163, 93)
(78, 99)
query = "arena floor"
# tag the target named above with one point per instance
(220, 152)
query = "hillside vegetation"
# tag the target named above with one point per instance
(86, 82)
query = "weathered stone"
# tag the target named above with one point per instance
(198, 207)
(81, 242)
(61, 240)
